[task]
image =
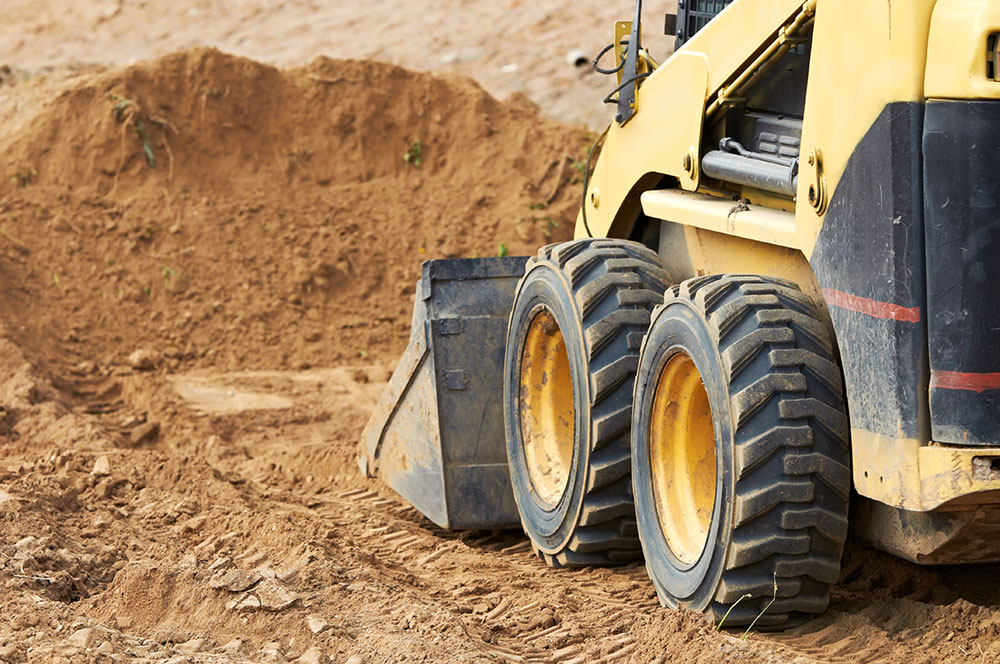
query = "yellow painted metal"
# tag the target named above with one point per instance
(623, 29)
(882, 62)
(713, 213)
(716, 253)
(682, 458)
(546, 412)
(864, 56)
(664, 137)
(920, 478)
(956, 50)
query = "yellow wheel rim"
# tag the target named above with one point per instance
(546, 412)
(682, 458)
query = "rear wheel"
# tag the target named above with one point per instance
(572, 350)
(740, 452)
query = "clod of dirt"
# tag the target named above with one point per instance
(84, 638)
(9, 654)
(544, 619)
(101, 467)
(313, 656)
(235, 580)
(316, 623)
(143, 360)
(194, 524)
(273, 596)
(272, 649)
(245, 604)
(191, 646)
(144, 433)
(233, 647)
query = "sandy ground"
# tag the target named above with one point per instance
(508, 46)
(188, 353)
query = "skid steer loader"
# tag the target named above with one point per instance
(785, 284)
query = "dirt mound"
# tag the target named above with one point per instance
(219, 211)
(205, 119)
(204, 211)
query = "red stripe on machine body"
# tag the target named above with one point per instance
(973, 382)
(873, 308)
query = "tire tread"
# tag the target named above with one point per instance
(615, 284)
(792, 466)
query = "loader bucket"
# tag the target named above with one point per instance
(436, 435)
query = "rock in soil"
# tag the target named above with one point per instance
(84, 638)
(316, 623)
(144, 434)
(101, 467)
(143, 360)
(312, 656)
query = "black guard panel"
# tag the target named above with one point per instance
(962, 212)
(869, 260)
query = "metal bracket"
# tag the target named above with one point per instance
(816, 191)
(628, 76)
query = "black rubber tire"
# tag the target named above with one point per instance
(601, 293)
(783, 474)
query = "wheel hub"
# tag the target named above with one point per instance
(546, 408)
(682, 458)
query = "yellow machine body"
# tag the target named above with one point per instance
(865, 58)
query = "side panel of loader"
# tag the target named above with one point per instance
(869, 260)
(961, 149)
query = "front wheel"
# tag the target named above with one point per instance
(572, 349)
(740, 458)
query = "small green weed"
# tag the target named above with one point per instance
(127, 111)
(414, 156)
(147, 149)
(718, 627)
(746, 634)
(773, 597)
(121, 104)
(502, 250)
(168, 275)
(25, 177)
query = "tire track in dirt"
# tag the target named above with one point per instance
(400, 543)
(488, 585)
(405, 539)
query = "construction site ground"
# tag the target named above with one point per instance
(207, 266)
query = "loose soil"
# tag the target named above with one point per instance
(188, 354)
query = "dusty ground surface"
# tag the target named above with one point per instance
(509, 46)
(188, 354)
